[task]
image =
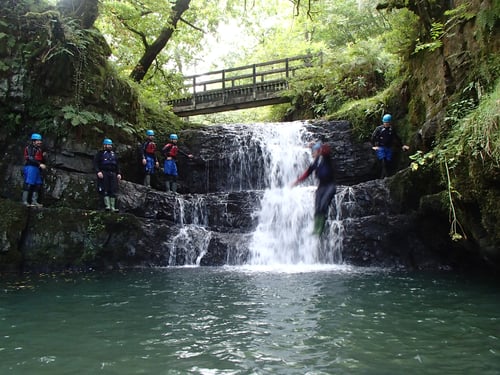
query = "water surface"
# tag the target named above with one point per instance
(250, 320)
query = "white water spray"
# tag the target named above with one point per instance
(284, 233)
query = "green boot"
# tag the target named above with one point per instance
(147, 180)
(112, 202)
(174, 187)
(107, 203)
(24, 197)
(167, 186)
(319, 224)
(34, 200)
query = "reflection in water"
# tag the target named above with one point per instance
(250, 320)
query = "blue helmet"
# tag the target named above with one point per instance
(173, 136)
(36, 137)
(107, 141)
(150, 132)
(387, 118)
(316, 146)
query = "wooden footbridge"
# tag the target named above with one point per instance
(237, 88)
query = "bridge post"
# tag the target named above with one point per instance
(194, 91)
(224, 95)
(254, 73)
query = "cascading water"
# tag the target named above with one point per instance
(265, 159)
(284, 231)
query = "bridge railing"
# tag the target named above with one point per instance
(244, 76)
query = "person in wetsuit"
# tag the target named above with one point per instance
(149, 158)
(383, 139)
(325, 173)
(34, 158)
(108, 174)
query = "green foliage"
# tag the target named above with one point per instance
(401, 36)
(439, 30)
(74, 117)
(472, 148)
(355, 72)
(477, 135)
(436, 33)
(487, 18)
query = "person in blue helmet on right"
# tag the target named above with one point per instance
(170, 152)
(383, 139)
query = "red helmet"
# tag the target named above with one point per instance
(325, 149)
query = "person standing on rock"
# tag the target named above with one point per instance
(108, 174)
(324, 170)
(170, 152)
(383, 139)
(149, 158)
(34, 158)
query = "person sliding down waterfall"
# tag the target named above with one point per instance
(325, 173)
(170, 151)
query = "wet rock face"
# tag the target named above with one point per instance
(220, 149)
(213, 221)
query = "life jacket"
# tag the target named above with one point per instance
(170, 150)
(149, 148)
(33, 155)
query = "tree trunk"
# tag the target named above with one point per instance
(84, 10)
(154, 49)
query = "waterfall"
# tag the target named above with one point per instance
(285, 219)
(261, 160)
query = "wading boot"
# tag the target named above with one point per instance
(107, 203)
(167, 186)
(34, 200)
(24, 197)
(319, 224)
(174, 187)
(112, 202)
(147, 180)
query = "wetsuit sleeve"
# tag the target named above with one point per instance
(375, 135)
(118, 170)
(308, 171)
(186, 154)
(97, 162)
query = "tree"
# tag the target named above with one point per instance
(84, 10)
(152, 50)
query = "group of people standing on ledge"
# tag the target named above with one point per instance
(105, 165)
(150, 161)
(108, 172)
